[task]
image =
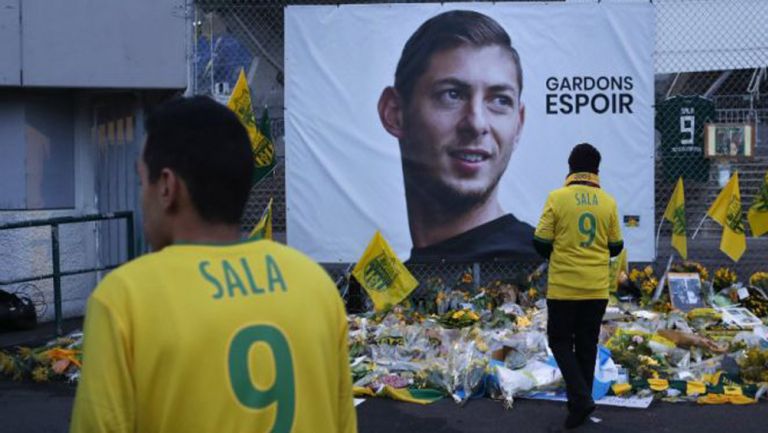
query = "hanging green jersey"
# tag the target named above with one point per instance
(680, 121)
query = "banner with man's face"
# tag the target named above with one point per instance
(463, 146)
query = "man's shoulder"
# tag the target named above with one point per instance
(127, 274)
(608, 197)
(503, 237)
(560, 192)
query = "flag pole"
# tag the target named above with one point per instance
(699, 227)
(663, 279)
(658, 234)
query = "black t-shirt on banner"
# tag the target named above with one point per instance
(505, 237)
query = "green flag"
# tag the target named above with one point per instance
(268, 160)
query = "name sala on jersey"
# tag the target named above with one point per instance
(585, 199)
(238, 278)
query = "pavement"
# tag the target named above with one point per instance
(46, 408)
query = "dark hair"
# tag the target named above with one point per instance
(207, 146)
(445, 31)
(584, 157)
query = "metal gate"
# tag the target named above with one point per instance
(116, 131)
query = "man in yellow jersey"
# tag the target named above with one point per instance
(209, 334)
(578, 232)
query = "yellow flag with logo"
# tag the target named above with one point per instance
(758, 212)
(675, 214)
(263, 228)
(726, 210)
(383, 275)
(262, 148)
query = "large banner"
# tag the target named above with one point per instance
(446, 126)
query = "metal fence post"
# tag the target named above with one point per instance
(476, 275)
(129, 234)
(56, 277)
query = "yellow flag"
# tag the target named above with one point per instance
(675, 214)
(383, 275)
(617, 265)
(263, 228)
(758, 212)
(726, 210)
(261, 146)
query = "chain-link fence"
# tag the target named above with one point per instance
(711, 59)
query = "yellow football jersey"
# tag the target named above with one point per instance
(250, 337)
(580, 221)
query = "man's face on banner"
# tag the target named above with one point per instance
(463, 122)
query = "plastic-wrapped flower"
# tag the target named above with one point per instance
(759, 279)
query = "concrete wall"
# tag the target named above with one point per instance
(89, 44)
(27, 252)
(10, 43)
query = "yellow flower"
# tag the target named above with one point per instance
(472, 315)
(724, 277)
(531, 293)
(650, 285)
(522, 322)
(6, 363)
(482, 346)
(648, 271)
(759, 279)
(458, 314)
(25, 352)
(40, 374)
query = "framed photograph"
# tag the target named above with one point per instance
(685, 291)
(740, 317)
(729, 140)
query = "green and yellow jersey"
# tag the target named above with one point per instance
(581, 223)
(247, 337)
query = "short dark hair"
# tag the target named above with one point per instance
(445, 31)
(207, 146)
(584, 157)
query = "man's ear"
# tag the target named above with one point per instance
(169, 186)
(391, 112)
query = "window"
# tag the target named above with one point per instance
(37, 136)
